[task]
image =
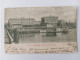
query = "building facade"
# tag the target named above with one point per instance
(50, 21)
(20, 22)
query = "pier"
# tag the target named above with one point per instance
(13, 34)
(10, 37)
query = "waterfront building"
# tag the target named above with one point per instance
(37, 22)
(20, 22)
(14, 23)
(62, 23)
(25, 22)
(50, 21)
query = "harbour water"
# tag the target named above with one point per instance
(48, 37)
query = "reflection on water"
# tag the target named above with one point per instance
(51, 34)
(47, 37)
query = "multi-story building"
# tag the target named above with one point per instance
(37, 22)
(20, 22)
(27, 22)
(50, 21)
(14, 23)
(62, 23)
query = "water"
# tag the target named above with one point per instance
(48, 37)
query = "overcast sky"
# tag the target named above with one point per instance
(64, 13)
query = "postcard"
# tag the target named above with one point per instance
(40, 30)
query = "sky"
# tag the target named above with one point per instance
(67, 13)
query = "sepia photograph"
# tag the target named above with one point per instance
(34, 25)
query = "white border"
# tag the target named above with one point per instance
(36, 3)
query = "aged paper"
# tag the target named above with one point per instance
(41, 30)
